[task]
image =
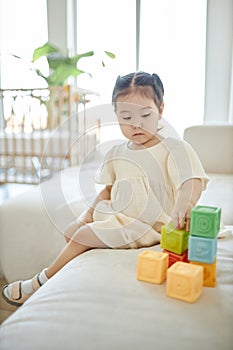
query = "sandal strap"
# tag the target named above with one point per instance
(36, 282)
(16, 293)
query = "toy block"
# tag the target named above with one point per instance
(202, 249)
(173, 257)
(185, 281)
(205, 221)
(209, 279)
(152, 266)
(175, 241)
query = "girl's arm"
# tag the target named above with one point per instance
(87, 216)
(189, 193)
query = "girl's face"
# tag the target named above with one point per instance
(138, 118)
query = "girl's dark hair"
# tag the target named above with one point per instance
(149, 85)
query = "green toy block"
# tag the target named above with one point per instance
(175, 241)
(205, 221)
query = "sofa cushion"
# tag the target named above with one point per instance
(219, 193)
(214, 146)
(96, 302)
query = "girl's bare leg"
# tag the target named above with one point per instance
(18, 292)
(84, 239)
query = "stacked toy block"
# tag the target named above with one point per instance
(175, 243)
(184, 281)
(188, 260)
(204, 228)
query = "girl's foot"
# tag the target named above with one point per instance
(17, 293)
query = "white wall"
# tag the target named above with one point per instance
(219, 64)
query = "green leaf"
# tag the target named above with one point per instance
(61, 66)
(16, 56)
(77, 57)
(62, 73)
(110, 54)
(44, 50)
(38, 72)
(57, 59)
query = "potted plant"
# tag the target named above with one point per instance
(61, 66)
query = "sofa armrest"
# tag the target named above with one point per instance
(214, 146)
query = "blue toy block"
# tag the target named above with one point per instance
(202, 249)
(205, 221)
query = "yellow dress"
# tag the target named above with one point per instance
(144, 190)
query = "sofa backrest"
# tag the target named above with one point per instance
(214, 146)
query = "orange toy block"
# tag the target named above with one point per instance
(152, 266)
(185, 281)
(209, 279)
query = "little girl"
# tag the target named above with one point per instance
(149, 181)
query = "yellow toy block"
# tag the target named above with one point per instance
(152, 266)
(209, 279)
(185, 281)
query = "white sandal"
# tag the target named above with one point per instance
(18, 297)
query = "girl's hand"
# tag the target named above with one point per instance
(189, 193)
(181, 218)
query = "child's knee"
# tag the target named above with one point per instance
(85, 236)
(80, 234)
(71, 229)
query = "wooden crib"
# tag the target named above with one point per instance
(42, 131)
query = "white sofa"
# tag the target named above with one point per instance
(95, 301)
(214, 146)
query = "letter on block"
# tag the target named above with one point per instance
(205, 221)
(185, 281)
(173, 257)
(175, 241)
(152, 266)
(202, 249)
(209, 279)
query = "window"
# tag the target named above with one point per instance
(111, 26)
(23, 27)
(172, 44)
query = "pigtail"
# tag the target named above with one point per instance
(158, 87)
(122, 83)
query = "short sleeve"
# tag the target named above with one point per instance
(106, 174)
(184, 164)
